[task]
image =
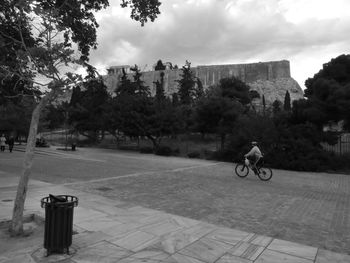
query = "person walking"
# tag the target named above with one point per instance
(11, 142)
(2, 142)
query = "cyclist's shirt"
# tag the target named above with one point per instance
(255, 152)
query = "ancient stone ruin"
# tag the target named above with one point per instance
(271, 79)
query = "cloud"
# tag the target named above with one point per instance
(227, 31)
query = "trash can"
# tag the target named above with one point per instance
(73, 146)
(58, 222)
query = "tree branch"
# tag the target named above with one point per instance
(19, 95)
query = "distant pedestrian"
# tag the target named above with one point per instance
(2, 142)
(11, 142)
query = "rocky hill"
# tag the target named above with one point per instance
(271, 79)
(276, 89)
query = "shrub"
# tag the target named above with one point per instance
(176, 152)
(128, 147)
(208, 154)
(163, 150)
(194, 154)
(146, 149)
(224, 155)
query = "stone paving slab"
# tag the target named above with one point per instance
(125, 234)
(135, 241)
(101, 252)
(206, 249)
(86, 239)
(150, 253)
(228, 258)
(246, 250)
(230, 236)
(270, 256)
(99, 223)
(174, 242)
(293, 249)
(179, 258)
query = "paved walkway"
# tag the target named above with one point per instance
(112, 231)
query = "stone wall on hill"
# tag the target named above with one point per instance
(271, 79)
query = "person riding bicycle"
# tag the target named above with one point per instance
(254, 156)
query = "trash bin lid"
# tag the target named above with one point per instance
(59, 200)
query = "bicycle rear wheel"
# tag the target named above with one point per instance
(265, 174)
(241, 170)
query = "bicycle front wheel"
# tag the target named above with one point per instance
(265, 174)
(241, 170)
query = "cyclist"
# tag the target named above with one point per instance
(254, 156)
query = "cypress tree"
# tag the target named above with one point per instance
(276, 106)
(286, 105)
(186, 92)
(264, 104)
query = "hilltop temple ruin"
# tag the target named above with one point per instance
(271, 79)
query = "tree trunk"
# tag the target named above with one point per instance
(223, 137)
(16, 227)
(66, 142)
(154, 141)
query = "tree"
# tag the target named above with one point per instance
(248, 127)
(216, 114)
(38, 59)
(264, 105)
(160, 94)
(142, 10)
(135, 113)
(253, 94)
(328, 91)
(338, 69)
(236, 89)
(124, 85)
(218, 110)
(159, 66)
(199, 89)
(276, 107)
(187, 82)
(17, 95)
(161, 121)
(15, 115)
(54, 116)
(139, 85)
(130, 104)
(286, 105)
(186, 96)
(57, 116)
(76, 94)
(52, 25)
(88, 115)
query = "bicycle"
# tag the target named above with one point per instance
(264, 173)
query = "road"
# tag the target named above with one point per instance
(57, 166)
(309, 208)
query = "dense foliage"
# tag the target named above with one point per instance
(217, 111)
(328, 92)
(289, 135)
(36, 39)
(86, 113)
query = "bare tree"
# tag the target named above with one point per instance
(51, 36)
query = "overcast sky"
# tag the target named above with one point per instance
(308, 33)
